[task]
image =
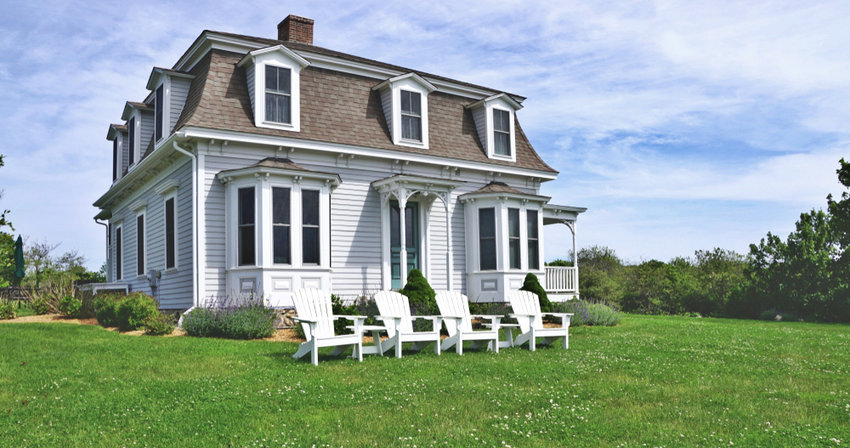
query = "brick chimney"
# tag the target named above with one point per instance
(296, 29)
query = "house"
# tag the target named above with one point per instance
(263, 166)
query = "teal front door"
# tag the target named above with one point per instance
(411, 224)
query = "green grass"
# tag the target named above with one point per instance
(660, 381)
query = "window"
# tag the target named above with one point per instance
(310, 226)
(140, 245)
(281, 226)
(278, 94)
(411, 116)
(115, 159)
(158, 115)
(501, 132)
(487, 238)
(131, 157)
(170, 234)
(533, 248)
(247, 218)
(119, 268)
(513, 237)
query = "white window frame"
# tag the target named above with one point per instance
(142, 213)
(255, 64)
(412, 83)
(135, 141)
(165, 83)
(291, 225)
(166, 197)
(491, 133)
(482, 113)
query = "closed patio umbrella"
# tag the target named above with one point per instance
(19, 258)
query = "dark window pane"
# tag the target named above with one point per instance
(246, 245)
(531, 217)
(170, 246)
(271, 107)
(132, 134)
(514, 253)
(158, 124)
(283, 80)
(533, 255)
(119, 272)
(140, 245)
(310, 243)
(501, 120)
(513, 237)
(411, 224)
(280, 205)
(502, 145)
(513, 222)
(115, 159)
(395, 220)
(271, 77)
(415, 103)
(487, 222)
(411, 128)
(310, 207)
(284, 109)
(246, 206)
(281, 245)
(488, 254)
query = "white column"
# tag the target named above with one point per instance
(402, 206)
(572, 226)
(448, 243)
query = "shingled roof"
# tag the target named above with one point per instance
(500, 187)
(339, 108)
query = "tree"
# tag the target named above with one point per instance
(600, 274)
(38, 259)
(3, 221)
(7, 259)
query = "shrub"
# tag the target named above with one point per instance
(422, 298)
(39, 305)
(106, 309)
(7, 310)
(135, 310)
(245, 318)
(532, 284)
(589, 313)
(159, 325)
(70, 306)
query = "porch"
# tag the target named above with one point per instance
(561, 282)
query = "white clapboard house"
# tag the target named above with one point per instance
(264, 166)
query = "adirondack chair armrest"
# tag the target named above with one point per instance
(353, 318)
(301, 319)
(437, 321)
(516, 315)
(388, 317)
(494, 319)
(311, 326)
(565, 317)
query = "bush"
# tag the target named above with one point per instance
(532, 284)
(589, 313)
(70, 306)
(7, 310)
(159, 325)
(135, 310)
(245, 318)
(106, 309)
(39, 305)
(422, 299)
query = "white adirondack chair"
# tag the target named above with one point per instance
(316, 317)
(395, 312)
(526, 309)
(454, 308)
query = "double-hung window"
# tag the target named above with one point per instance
(140, 245)
(487, 238)
(513, 238)
(411, 115)
(246, 244)
(501, 132)
(310, 243)
(131, 156)
(281, 244)
(119, 266)
(158, 114)
(278, 94)
(170, 233)
(533, 236)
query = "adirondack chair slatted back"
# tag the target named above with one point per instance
(526, 302)
(455, 304)
(393, 304)
(315, 304)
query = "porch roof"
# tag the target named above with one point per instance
(557, 214)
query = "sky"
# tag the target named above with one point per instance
(680, 125)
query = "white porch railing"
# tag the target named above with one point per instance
(560, 279)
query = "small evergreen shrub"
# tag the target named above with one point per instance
(160, 325)
(70, 306)
(106, 309)
(7, 310)
(135, 310)
(532, 284)
(39, 305)
(422, 298)
(241, 318)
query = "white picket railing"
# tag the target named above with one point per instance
(560, 279)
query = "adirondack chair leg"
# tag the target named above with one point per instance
(495, 343)
(359, 349)
(398, 346)
(437, 346)
(459, 344)
(314, 353)
(339, 349)
(303, 349)
(449, 342)
(418, 346)
(532, 341)
(566, 340)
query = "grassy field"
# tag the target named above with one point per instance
(660, 381)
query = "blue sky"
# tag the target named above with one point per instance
(680, 125)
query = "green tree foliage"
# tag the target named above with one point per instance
(420, 294)
(532, 284)
(601, 275)
(4, 222)
(7, 260)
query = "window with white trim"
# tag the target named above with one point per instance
(159, 115)
(115, 167)
(501, 132)
(131, 155)
(281, 226)
(487, 238)
(311, 237)
(247, 228)
(533, 239)
(171, 232)
(119, 262)
(278, 94)
(411, 115)
(140, 244)
(514, 254)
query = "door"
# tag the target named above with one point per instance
(411, 221)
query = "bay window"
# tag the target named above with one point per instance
(487, 238)
(281, 236)
(533, 239)
(246, 244)
(310, 242)
(513, 238)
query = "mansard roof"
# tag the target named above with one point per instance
(337, 107)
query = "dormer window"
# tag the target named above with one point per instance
(411, 116)
(278, 94)
(274, 80)
(131, 156)
(405, 102)
(501, 132)
(158, 113)
(494, 121)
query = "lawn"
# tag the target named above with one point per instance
(660, 381)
